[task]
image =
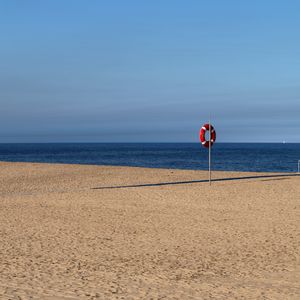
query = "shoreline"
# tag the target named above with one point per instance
(141, 167)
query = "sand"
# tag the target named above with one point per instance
(64, 236)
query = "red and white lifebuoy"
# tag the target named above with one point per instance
(203, 130)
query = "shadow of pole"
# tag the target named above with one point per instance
(195, 181)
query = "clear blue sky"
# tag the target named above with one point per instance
(147, 71)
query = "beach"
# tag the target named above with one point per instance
(104, 232)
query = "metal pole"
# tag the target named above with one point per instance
(298, 166)
(209, 153)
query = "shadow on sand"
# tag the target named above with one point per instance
(270, 177)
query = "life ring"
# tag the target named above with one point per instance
(203, 130)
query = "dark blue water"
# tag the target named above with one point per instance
(235, 157)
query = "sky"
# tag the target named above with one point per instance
(149, 71)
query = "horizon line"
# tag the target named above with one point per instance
(59, 142)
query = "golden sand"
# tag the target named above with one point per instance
(62, 236)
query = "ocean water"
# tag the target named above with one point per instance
(227, 157)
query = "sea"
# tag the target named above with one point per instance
(256, 157)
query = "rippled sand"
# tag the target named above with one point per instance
(62, 236)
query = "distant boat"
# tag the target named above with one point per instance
(283, 142)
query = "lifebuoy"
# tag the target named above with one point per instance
(203, 130)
